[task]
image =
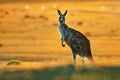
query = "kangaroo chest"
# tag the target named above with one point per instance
(67, 34)
(64, 32)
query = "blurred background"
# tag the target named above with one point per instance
(29, 31)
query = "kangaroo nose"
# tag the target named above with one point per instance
(61, 21)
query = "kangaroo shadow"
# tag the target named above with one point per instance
(68, 72)
(57, 73)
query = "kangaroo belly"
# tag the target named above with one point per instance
(68, 41)
(80, 46)
(69, 37)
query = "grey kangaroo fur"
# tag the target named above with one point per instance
(78, 43)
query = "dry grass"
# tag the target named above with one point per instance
(29, 33)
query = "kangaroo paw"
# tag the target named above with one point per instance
(63, 45)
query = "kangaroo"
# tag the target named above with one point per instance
(78, 42)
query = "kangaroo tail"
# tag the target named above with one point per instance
(90, 58)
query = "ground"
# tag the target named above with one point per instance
(29, 35)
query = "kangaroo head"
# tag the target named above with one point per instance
(62, 16)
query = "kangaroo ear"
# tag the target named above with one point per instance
(65, 13)
(59, 12)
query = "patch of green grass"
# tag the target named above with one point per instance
(63, 73)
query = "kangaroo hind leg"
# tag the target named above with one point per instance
(74, 58)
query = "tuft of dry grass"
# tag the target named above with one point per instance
(14, 62)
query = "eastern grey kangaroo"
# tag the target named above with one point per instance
(78, 43)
